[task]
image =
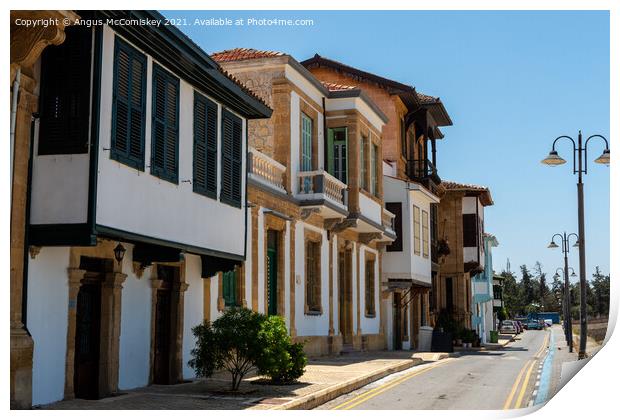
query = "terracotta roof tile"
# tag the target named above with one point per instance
(427, 99)
(238, 54)
(485, 192)
(334, 87)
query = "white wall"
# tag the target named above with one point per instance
(193, 308)
(56, 181)
(135, 339)
(371, 209)
(141, 203)
(48, 301)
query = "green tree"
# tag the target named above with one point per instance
(230, 343)
(600, 293)
(528, 294)
(280, 359)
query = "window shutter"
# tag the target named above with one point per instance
(129, 105)
(65, 94)
(205, 146)
(396, 209)
(231, 159)
(165, 127)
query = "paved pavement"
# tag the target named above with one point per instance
(325, 379)
(486, 379)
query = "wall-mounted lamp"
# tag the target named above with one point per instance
(119, 252)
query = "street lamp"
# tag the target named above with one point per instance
(580, 167)
(566, 303)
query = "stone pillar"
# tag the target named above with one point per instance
(292, 277)
(75, 277)
(331, 285)
(111, 294)
(155, 285)
(359, 289)
(27, 44)
(178, 310)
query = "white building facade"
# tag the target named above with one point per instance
(137, 196)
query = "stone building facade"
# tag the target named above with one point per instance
(318, 220)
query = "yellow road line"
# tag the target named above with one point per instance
(514, 388)
(527, 378)
(347, 405)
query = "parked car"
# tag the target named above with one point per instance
(533, 325)
(508, 327)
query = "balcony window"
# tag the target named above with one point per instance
(306, 143)
(416, 230)
(374, 184)
(425, 234)
(165, 126)
(337, 153)
(470, 230)
(363, 163)
(65, 94)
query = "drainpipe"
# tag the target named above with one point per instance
(15, 98)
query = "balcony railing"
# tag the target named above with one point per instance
(421, 168)
(388, 220)
(266, 170)
(313, 183)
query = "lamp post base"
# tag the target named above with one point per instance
(582, 355)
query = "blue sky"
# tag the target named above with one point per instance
(511, 81)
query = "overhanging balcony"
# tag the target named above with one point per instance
(318, 189)
(423, 170)
(266, 171)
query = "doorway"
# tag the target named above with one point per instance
(345, 315)
(397, 313)
(164, 345)
(272, 272)
(87, 338)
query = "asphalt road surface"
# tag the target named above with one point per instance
(494, 379)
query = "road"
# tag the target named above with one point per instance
(498, 379)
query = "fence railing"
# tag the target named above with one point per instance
(321, 182)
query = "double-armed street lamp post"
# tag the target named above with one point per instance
(566, 303)
(580, 167)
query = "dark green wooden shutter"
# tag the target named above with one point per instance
(129, 105)
(205, 146)
(229, 288)
(165, 126)
(232, 147)
(65, 94)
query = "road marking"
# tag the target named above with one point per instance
(529, 373)
(515, 386)
(547, 366)
(347, 405)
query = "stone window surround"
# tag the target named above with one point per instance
(317, 238)
(310, 112)
(110, 318)
(370, 257)
(371, 139)
(271, 222)
(178, 299)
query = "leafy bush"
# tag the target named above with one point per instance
(230, 343)
(502, 314)
(279, 359)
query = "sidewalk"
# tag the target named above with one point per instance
(325, 379)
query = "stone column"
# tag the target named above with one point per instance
(178, 309)
(75, 277)
(111, 294)
(331, 285)
(155, 286)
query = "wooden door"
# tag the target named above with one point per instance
(397, 321)
(272, 272)
(161, 361)
(87, 341)
(344, 297)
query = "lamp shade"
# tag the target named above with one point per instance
(552, 245)
(604, 158)
(119, 252)
(553, 159)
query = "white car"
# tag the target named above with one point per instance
(508, 327)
